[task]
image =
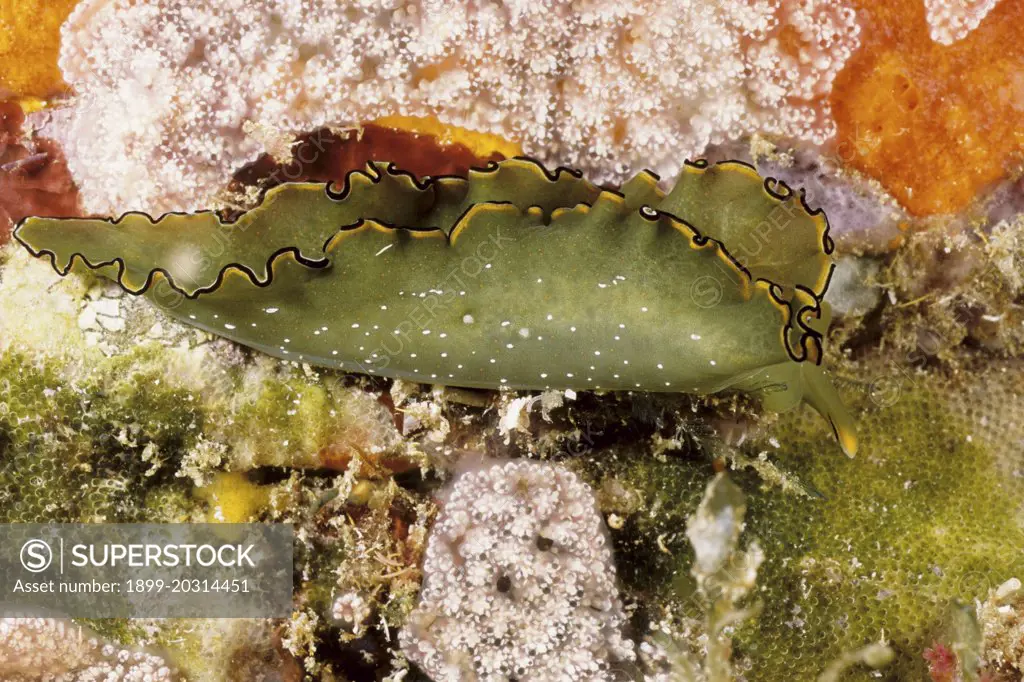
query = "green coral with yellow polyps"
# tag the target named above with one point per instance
(511, 278)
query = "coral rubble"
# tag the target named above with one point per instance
(1002, 622)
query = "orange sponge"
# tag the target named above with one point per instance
(29, 46)
(935, 124)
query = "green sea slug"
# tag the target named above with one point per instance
(511, 277)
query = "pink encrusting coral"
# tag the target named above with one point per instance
(519, 582)
(171, 95)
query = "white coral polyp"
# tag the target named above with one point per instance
(518, 583)
(165, 87)
(950, 21)
(57, 650)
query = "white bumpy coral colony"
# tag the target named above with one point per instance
(166, 89)
(57, 650)
(519, 583)
(952, 20)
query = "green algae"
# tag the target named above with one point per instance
(87, 450)
(296, 418)
(925, 517)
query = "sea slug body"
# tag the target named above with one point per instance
(513, 277)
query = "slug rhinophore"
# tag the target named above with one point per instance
(511, 277)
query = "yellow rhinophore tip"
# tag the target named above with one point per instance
(822, 396)
(847, 441)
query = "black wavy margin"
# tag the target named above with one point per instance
(776, 188)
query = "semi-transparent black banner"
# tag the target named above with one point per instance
(146, 570)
